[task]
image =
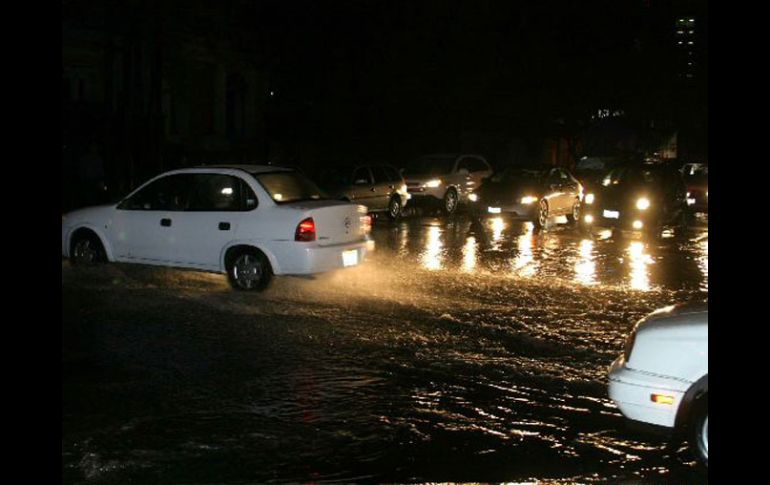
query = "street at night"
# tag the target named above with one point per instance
(458, 351)
(384, 241)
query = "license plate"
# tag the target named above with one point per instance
(493, 210)
(350, 257)
(611, 214)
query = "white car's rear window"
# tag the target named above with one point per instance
(289, 186)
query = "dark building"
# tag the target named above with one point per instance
(151, 86)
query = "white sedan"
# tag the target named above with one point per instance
(661, 379)
(249, 221)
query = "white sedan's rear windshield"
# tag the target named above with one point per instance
(289, 186)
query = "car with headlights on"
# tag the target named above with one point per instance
(250, 222)
(660, 381)
(534, 193)
(447, 180)
(378, 187)
(642, 197)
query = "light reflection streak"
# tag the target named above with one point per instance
(524, 264)
(585, 268)
(404, 236)
(497, 229)
(432, 257)
(703, 264)
(469, 254)
(640, 278)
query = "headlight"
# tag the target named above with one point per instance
(643, 203)
(433, 183)
(403, 188)
(589, 199)
(473, 197)
(528, 199)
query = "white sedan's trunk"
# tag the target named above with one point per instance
(336, 222)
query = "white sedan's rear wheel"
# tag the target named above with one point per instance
(249, 270)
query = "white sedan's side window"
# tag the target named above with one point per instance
(168, 193)
(220, 193)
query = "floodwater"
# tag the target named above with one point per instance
(457, 352)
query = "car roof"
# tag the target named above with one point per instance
(250, 168)
(531, 166)
(450, 155)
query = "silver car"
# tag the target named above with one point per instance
(446, 179)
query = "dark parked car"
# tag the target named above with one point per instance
(533, 193)
(379, 187)
(646, 197)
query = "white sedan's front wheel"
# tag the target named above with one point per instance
(87, 249)
(249, 270)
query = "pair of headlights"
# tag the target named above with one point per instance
(642, 203)
(529, 199)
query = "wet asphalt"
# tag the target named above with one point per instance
(459, 351)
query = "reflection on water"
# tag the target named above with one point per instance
(431, 259)
(640, 261)
(703, 263)
(524, 264)
(498, 225)
(508, 247)
(585, 268)
(404, 239)
(469, 254)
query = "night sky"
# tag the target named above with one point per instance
(377, 81)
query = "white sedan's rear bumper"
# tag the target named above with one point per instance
(632, 392)
(297, 258)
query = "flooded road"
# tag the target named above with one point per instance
(458, 351)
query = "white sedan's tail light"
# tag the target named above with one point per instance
(305, 230)
(366, 224)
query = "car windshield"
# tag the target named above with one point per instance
(591, 165)
(289, 186)
(637, 176)
(432, 166)
(518, 174)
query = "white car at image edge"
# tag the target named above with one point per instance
(661, 379)
(248, 221)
